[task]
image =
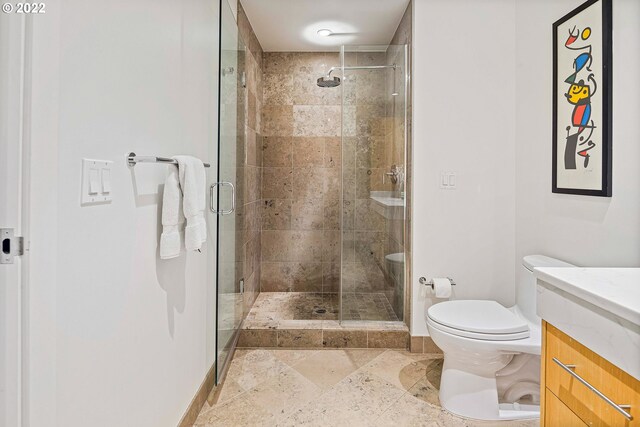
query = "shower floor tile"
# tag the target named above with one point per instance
(299, 310)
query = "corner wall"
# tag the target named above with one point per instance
(463, 121)
(483, 108)
(587, 231)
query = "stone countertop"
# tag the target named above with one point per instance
(616, 290)
(599, 307)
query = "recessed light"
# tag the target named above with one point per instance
(324, 32)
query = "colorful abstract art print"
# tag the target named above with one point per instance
(582, 100)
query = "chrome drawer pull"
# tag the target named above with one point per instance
(619, 408)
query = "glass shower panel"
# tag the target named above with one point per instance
(373, 180)
(230, 141)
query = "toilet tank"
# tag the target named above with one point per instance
(526, 283)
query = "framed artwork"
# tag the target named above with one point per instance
(582, 100)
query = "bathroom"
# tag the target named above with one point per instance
(360, 154)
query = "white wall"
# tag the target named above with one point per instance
(464, 121)
(491, 62)
(117, 336)
(588, 231)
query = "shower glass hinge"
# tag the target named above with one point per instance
(12, 245)
(242, 286)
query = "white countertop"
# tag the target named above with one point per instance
(616, 290)
(599, 307)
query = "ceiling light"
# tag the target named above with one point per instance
(324, 32)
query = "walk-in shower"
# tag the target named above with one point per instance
(333, 189)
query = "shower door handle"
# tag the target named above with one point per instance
(233, 198)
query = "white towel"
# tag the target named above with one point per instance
(171, 240)
(193, 183)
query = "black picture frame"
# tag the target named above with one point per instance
(607, 101)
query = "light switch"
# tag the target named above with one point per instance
(448, 180)
(96, 182)
(106, 180)
(93, 181)
(452, 179)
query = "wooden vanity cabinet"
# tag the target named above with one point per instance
(566, 401)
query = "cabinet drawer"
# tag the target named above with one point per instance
(556, 413)
(618, 386)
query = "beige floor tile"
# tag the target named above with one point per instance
(410, 412)
(256, 367)
(351, 388)
(397, 369)
(230, 389)
(292, 357)
(361, 357)
(238, 412)
(326, 368)
(355, 401)
(285, 393)
(425, 391)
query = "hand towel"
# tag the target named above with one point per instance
(193, 182)
(171, 240)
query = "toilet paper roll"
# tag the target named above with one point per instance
(442, 287)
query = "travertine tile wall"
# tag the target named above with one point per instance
(301, 130)
(249, 162)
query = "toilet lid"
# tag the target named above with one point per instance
(484, 317)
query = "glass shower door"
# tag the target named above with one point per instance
(224, 193)
(374, 85)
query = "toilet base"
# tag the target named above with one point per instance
(474, 395)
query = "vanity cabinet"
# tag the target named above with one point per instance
(576, 384)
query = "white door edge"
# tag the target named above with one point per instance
(14, 175)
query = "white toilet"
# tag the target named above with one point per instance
(491, 365)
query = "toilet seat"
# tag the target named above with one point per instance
(478, 319)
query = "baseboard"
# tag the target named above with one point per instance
(191, 414)
(423, 345)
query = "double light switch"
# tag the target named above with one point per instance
(448, 180)
(96, 181)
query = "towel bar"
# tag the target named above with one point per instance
(132, 160)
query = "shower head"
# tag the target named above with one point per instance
(328, 81)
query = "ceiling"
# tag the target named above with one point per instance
(292, 25)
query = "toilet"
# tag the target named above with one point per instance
(491, 365)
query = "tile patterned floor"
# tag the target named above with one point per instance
(378, 388)
(277, 306)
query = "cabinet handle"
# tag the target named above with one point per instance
(619, 408)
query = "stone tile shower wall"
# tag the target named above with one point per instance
(301, 127)
(249, 163)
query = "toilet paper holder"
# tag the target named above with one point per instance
(424, 281)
